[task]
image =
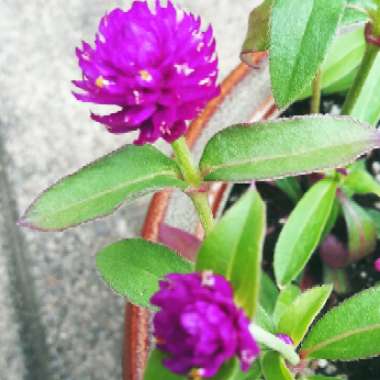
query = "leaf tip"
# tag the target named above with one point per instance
(24, 222)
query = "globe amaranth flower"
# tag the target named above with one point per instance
(157, 65)
(199, 325)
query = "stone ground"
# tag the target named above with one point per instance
(57, 319)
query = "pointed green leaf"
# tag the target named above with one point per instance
(298, 48)
(291, 187)
(334, 214)
(284, 300)
(234, 248)
(264, 320)
(353, 15)
(99, 188)
(349, 331)
(268, 293)
(274, 367)
(155, 370)
(232, 371)
(359, 181)
(361, 229)
(258, 34)
(375, 216)
(254, 373)
(134, 267)
(302, 232)
(298, 317)
(283, 147)
(246, 264)
(342, 61)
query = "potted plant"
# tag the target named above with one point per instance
(230, 298)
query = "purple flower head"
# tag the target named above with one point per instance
(157, 65)
(199, 325)
(377, 265)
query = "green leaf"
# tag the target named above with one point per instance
(284, 300)
(99, 188)
(133, 268)
(361, 229)
(155, 369)
(342, 84)
(284, 147)
(234, 248)
(253, 373)
(353, 15)
(342, 61)
(228, 371)
(232, 371)
(291, 187)
(264, 320)
(246, 265)
(359, 181)
(320, 377)
(268, 293)
(365, 106)
(298, 317)
(274, 367)
(302, 232)
(298, 48)
(375, 216)
(258, 34)
(349, 331)
(334, 214)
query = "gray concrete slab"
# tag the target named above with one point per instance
(46, 134)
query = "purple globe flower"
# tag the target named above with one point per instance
(199, 325)
(158, 66)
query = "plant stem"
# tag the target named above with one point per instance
(193, 177)
(316, 93)
(360, 80)
(276, 344)
(202, 205)
(185, 161)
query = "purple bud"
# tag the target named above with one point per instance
(333, 252)
(377, 265)
(157, 66)
(285, 338)
(199, 325)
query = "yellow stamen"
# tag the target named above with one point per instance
(99, 81)
(145, 75)
(195, 374)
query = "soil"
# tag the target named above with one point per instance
(360, 275)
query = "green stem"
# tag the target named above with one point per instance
(202, 205)
(193, 177)
(316, 93)
(276, 344)
(184, 159)
(360, 80)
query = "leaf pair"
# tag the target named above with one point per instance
(264, 150)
